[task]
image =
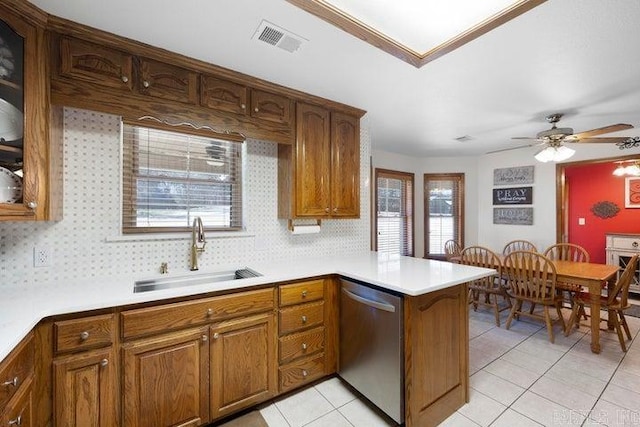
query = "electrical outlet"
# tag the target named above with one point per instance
(41, 256)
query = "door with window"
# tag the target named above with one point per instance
(393, 225)
(443, 212)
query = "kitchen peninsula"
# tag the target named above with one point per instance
(61, 323)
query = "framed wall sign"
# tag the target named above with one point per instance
(513, 216)
(513, 196)
(632, 192)
(513, 176)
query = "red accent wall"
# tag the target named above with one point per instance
(588, 185)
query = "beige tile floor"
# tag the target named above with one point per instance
(518, 378)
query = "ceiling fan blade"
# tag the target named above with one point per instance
(609, 140)
(603, 130)
(514, 148)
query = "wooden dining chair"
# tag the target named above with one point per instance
(532, 278)
(568, 252)
(518, 245)
(615, 303)
(487, 290)
(452, 249)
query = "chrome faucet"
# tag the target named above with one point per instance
(197, 242)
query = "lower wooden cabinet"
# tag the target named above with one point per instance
(85, 389)
(243, 363)
(19, 410)
(166, 380)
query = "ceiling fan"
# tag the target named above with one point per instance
(554, 138)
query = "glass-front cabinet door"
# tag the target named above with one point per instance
(24, 116)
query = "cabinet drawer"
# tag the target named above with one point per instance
(168, 317)
(302, 316)
(297, 293)
(629, 243)
(19, 411)
(300, 372)
(301, 344)
(16, 369)
(81, 334)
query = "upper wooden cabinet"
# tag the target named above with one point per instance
(30, 157)
(271, 107)
(223, 95)
(166, 81)
(95, 63)
(320, 176)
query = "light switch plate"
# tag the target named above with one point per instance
(41, 256)
(581, 221)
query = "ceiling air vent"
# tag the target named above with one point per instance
(278, 37)
(465, 138)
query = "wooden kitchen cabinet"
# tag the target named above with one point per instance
(85, 388)
(319, 177)
(167, 81)
(19, 410)
(243, 363)
(16, 375)
(32, 139)
(95, 63)
(271, 107)
(223, 95)
(166, 380)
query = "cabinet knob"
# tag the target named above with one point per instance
(216, 336)
(304, 319)
(16, 421)
(335, 209)
(243, 106)
(124, 79)
(206, 338)
(210, 312)
(326, 210)
(304, 346)
(84, 335)
(256, 109)
(146, 84)
(32, 205)
(304, 294)
(14, 382)
(634, 244)
(304, 373)
(104, 362)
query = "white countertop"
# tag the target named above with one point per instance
(21, 309)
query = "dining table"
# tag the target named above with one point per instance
(591, 276)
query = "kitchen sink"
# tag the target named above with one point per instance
(147, 285)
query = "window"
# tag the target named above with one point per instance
(169, 178)
(394, 213)
(443, 211)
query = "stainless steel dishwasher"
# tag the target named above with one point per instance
(371, 346)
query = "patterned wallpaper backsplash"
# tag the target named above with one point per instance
(88, 243)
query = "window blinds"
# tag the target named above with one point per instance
(394, 224)
(169, 178)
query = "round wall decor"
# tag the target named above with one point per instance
(605, 209)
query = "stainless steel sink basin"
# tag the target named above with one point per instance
(192, 280)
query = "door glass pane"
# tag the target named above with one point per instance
(443, 211)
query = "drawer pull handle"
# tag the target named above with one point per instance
(17, 421)
(104, 362)
(209, 312)
(124, 79)
(205, 338)
(216, 336)
(14, 382)
(84, 335)
(304, 346)
(326, 210)
(335, 209)
(304, 293)
(634, 244)
(304, 319)
(304, 373)
(256, 109)
(32, 205)
(146, 84)
(243, 106)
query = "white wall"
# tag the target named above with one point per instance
(420, 166)
(479, 227)
(88, 243)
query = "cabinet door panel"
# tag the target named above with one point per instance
(345, 166)
(167, 81)
(85, 389)
(271, 107)
(95, 63)
(243, 363)
(312, 162)
(166, 380)
(224, 95)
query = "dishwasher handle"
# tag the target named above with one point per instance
(371, 303)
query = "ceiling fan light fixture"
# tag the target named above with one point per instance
(620, 170)
(555, 154)
(633, 170)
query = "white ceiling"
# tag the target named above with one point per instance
(579, 57)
